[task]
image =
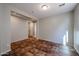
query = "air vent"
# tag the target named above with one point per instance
(62, 4)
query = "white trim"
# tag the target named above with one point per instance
(23, 13)
(4, 52)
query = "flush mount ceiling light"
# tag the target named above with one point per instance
(44, 7)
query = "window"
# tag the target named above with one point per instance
(65, 39)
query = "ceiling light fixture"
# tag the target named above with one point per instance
(44, 7)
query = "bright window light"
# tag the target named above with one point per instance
(65, 39)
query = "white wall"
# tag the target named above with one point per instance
(54, 28)
(4, 28)
(0, 26)
(37, 29)
(76, 28)
(19, 29)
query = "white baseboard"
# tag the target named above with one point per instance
(4, 52)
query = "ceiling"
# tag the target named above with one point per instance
(36, 10)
